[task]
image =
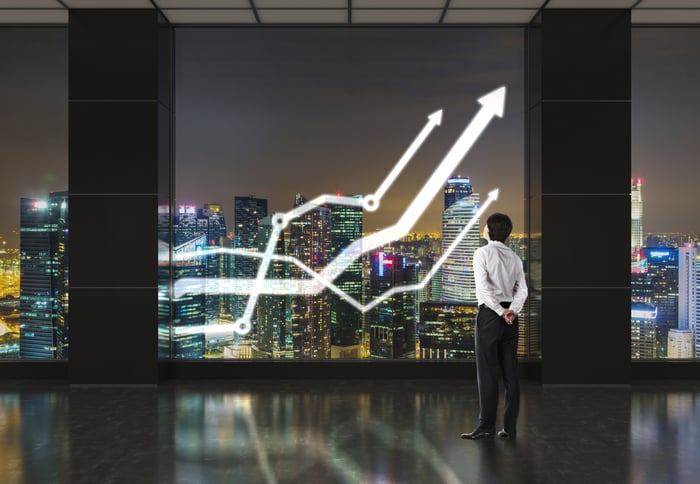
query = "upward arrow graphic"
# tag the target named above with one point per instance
(492, 104)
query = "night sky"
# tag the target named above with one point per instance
(273, 111)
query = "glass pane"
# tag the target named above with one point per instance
(34, 220)
(301, 229)
(665, 173)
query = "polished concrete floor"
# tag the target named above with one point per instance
(349, 431)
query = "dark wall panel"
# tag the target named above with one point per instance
(586, 54)
(116, 340)
(583, 340)
(127, 42)
(114, 241)
(112, 146)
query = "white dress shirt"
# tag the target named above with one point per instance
(499, 276)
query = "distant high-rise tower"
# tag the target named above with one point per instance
(43, 306)
(457, 188)
(644, 331)
(310, 314)
(189, 311)
(346, 228)
(210, 220)
(392, 324)
(687, 286)
(248, 212)
(680, 344)
(689, 292)
(271, 309)
(656, 284)
(637, 214)
(457, 270)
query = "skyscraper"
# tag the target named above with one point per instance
(687, 286)
(310, 314)
(689, 292)
(211, 223)
(457, 270)
(346, 228)
(457, 188)
(644, 339)
(392, 324)
(637, 214)
(271, 309)
(680, 344)
(657, 285)
(248, 212)
(188, 310)
(44, 277)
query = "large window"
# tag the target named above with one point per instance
(305, 224)
(665, 174)
(34, 217)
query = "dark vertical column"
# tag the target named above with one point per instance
(578, 192)
(116, 118)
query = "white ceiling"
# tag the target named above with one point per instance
(354, 12)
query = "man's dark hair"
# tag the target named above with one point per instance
(500, 226)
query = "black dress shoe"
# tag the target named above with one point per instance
(506, 435)
(478, 434)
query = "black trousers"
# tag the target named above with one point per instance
(496, 352)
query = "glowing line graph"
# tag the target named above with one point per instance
(492, 105)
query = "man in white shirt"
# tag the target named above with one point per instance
(501, 291)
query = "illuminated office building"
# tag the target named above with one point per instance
(658, 286)
(310, 314)
(446, 330)
(271, 309)
(457, 188)
(43, 306)
(689, 292)
(457, 270)
(212, 224)
(687, 286)
(392, 323)
(346, 228)
(680, 344)
(189, 309)
(637, 215)
(247, 214)
(644, 342)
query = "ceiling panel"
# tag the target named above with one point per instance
(27, 4)
(398, 3)
(303, 16)
(396, 16)
(672, 16)
(669, 4)
(210, 16)
(202, 3)
(291, 4)
(33, 16)
(496, 16)
(108, 3)
(488, 4)
(591, 3)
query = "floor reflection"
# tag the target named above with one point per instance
(665, 437)
(344, 432)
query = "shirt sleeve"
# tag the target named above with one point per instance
(484, 291)
(520, 291)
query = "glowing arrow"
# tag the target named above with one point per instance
(371, 201)
(491, 105)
